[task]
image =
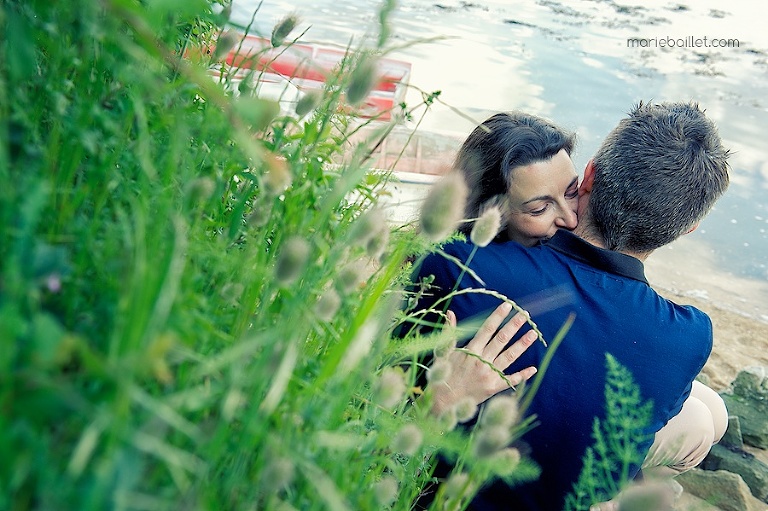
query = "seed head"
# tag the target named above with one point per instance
(231, 292)
(258, 217)
(328, 305)
(486, 227)
(247, 84)
(466, 409)
(408, 440)
(377, 245)
(448, 419)
(438, 372)
(278, 473)
(278, 176)
(224, 43)
(489, 440)
(362, 81)
(360, 346)
(199, 191)
(367, 226)
(291, 261)
(351, 277)
(500, 411)
(257, 113)
(508, 460)
(283, 28)
(232, 402)
(385, 490)
(391, 387)
(443, 207)
(457, 485)
(307, 103)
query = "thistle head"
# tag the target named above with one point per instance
(443, 207)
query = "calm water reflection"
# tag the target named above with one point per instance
(569, 60)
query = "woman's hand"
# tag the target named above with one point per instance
(471, 378)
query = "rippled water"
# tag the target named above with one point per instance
(569, 60)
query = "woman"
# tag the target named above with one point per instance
(521, 164)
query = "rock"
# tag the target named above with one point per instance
(752, 382)
(752, 413)
(733, 437)
(726, 490)
(753, 471)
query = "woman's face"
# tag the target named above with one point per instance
(543, 197)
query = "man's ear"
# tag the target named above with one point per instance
(695, 226)
(588, 180)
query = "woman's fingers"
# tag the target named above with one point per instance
(451, 318)
(514, 379)
(488, 328)
(505, 358)
(499, 341)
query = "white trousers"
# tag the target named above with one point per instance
(686, 439)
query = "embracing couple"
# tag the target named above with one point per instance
(577, 248)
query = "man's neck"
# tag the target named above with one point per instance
(589, 234)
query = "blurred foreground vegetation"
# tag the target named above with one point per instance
(196, 295)
(197, 289)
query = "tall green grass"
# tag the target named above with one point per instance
(195, 313)
(197, 290)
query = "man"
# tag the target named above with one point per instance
(653, 179)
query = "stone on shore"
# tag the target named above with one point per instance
(748, 400)
(721, 488)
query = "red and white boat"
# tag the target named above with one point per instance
(287, 72)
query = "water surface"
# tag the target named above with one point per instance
(569, 60)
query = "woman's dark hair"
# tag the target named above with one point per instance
(492, 151)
